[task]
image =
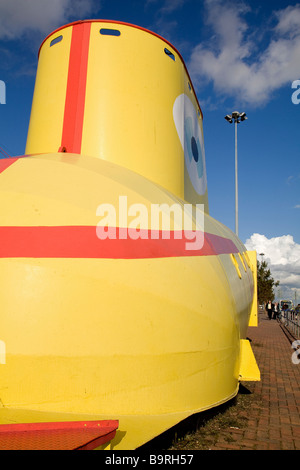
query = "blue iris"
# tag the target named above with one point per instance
(192, 146)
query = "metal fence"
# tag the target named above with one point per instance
(291, 321)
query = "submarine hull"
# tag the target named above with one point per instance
(122, 299)
(93, 327)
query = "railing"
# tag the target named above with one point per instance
(291, 320)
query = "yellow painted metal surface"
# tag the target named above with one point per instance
(147, 336)
(112, 337)
(249, 371)
(133, 88)
(254, 311)
(48, 105)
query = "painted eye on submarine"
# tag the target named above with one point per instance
(191, 138)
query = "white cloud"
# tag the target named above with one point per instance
(283, 257)
(166, 6)
(19, 16)
(232, 59)
(171, 5)
(289, 20)
(165, 22)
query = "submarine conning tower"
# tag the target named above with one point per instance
(121, 93)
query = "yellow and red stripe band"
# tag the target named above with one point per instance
(82, 242)
(76, 89)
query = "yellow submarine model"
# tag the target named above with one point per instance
(124, 304)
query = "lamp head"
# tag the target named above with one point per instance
(229, 118)
(235, 115)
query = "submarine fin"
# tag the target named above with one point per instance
(249, 370)
(253, 320)
(126, 432)
(70, 435)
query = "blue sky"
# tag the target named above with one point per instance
(241, 56)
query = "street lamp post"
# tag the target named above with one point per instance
(236, 117)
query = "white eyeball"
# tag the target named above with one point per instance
(191, 138)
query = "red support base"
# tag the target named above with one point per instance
(76, 435)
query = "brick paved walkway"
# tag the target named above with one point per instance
(265, 415)
(273, 422)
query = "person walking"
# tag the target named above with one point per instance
(276, 310)
(269, 309)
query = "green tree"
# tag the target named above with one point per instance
(265, 283)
